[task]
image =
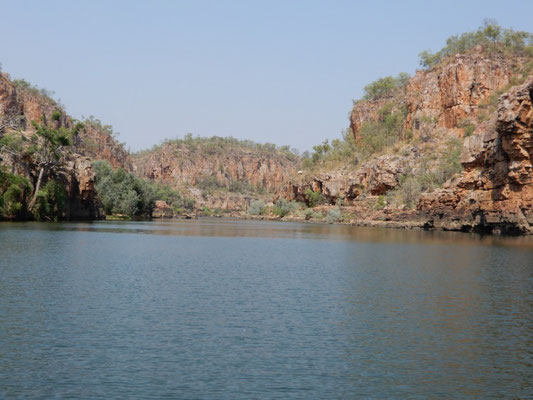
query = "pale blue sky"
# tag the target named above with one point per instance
(272, 71)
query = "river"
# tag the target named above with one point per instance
(225, 309)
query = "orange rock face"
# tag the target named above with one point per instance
(444, 95)
(495, 191)
(18, 108)
(96, 143)
(453, 91)
(179, 165)
(365, 111)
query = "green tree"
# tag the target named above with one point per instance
(385, 87)
(48, 150)
(490, 36)
(14, 191)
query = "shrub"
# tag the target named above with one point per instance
(208, 183)
(14, 191)
(283, 207)
(410, 191)
(173, 198)
(490, 36)
(224, 145)
(27, 87)
(310, 213)
(320, 150)
(467, 126)
(381, 203)
(123, 193)
(384, 132)
(314, 198)
(449, 164)
(343, 149)
(56, 115)
(257, 207)
(385, 87)
(334, 215)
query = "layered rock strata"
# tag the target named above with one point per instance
(494, 194)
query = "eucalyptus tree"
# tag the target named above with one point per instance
(48, 150)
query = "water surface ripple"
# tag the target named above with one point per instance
(222, 309)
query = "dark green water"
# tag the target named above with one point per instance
(218, 309)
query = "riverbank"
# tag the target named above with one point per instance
(396, 219)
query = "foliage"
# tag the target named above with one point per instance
(33, 90)
(208, 183)
(343, 149)
(51, 202)
(334, 215)
(412, 185)
(493, 39)
(257, 207)
(383, 132)
(283, 207)
(381, 203)
(467, 126)
(53, 140)
(320, 150)
(310, 213)
(374, 137)
(95, 123)
(123, 193)
(314, 198)
(223, 145)
(173, 198)
(43, 154)
(410, 191)
(14, 192)
(56, 115)
(385, 87)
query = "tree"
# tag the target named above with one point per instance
(47, 150)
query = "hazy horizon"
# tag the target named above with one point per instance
(277, 72)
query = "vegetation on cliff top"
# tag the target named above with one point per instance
(374, 137)
(385, 87)
(222, 145)
(491, 37)
(43, 94)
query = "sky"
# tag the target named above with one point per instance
(283, 72)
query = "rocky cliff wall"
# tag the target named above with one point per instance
(446, 94)
(492, 191)
(188, 165)
(454, 91)
(19, 106)
(495, 191)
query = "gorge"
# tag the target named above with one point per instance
(450, 148)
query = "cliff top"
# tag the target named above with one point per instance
(196, 145)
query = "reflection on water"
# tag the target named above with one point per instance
(242, 309)
(274, 229)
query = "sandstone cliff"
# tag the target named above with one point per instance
(454, 105)
(223, 173)
(494, 193)
(20, 104)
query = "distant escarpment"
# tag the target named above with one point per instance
(449, 148)
(219, 173)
